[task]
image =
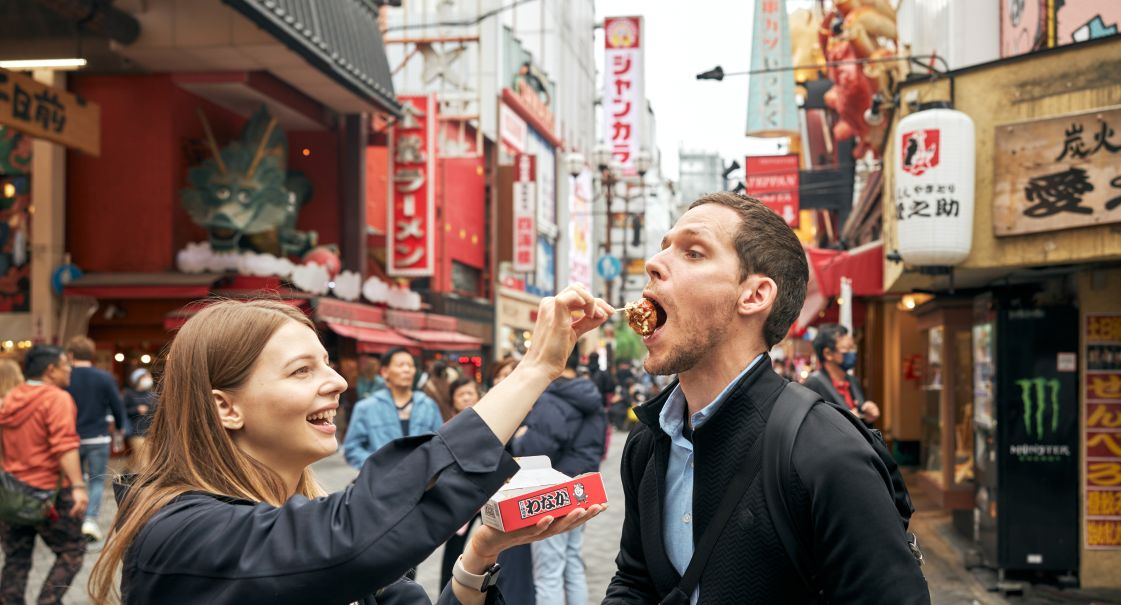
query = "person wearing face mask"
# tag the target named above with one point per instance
(140, 404)
(836, 354)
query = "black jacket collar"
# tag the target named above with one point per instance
(649, 412)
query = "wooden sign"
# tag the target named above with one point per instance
(1058, 173)
(49, 113)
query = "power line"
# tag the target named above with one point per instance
(467, 23)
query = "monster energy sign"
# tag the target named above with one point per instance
(1040, 398)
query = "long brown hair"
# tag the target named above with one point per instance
(10, 377)
(188, 448)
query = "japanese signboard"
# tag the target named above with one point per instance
(580, 230)
(624, 89)
(773, 180)
(770, 96)
(525, 212)
(412, 188)
(49, 113)
(1103, 431)
(1058, 173)
(512, 128)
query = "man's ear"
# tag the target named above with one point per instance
(229, 413)
(758, 293)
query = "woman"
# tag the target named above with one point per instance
(227, 512)
(463, 393)
(391, 413)
(10, 376)
(436, 385)
(140, 404)
(502, 369)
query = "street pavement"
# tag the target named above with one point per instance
(950, 582)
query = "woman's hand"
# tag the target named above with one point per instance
(561, 320)
(487, 542)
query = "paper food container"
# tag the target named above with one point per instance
(537, 491)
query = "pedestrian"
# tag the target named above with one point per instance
(728, 282)
(228, 511)
(601, 378)
(836, 354)
(369, 377)
(394, 412)
(10, 376)
(96, 394)
(39, 446)
(568, 424)
(464, 394)
(140, 404)
(435, 384)
(503, 368)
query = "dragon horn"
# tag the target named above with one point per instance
(257, 157)
(210, 140)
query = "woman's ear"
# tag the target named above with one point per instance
(228, 412)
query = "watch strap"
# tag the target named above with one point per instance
(478, 582)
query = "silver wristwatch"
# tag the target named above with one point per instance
(477, 582)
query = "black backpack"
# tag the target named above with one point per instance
(783, 424)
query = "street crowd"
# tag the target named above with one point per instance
(219, 505)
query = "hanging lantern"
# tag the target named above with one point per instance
(935, 161)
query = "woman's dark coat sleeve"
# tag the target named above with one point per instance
(408, 499)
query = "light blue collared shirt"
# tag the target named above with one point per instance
(677, 515)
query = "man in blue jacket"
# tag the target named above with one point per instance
(95, 393)
(568, 424)
(393, 412)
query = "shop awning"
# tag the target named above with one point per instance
(373, 339)
(340, 38)
(141, 285)
(864, 265)
(441, 340)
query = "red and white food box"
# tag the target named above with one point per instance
(538, 490)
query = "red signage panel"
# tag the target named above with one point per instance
(412, 189)
(773, 180)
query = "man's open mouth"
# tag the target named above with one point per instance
(646, 316)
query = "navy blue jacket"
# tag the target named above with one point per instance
(95, 393)
(354, 545)
(567, 424)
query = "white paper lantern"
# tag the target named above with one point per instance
(934, 186)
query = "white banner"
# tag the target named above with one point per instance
(525, 213)
(580, 259)
(846, 304)
(624, 89)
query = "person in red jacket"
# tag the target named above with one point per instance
(40, 448)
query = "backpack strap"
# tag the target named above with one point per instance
(787, 415)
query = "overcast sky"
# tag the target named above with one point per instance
(683, 39)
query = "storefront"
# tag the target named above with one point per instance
(1020, 397)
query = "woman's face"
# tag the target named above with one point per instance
(288, 403)
(465, 396)
(400, 371)
(503, 373)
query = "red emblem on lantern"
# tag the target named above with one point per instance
(920, 150)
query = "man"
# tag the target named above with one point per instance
(731, 278)
(95, 393)
(569, 425)
(38, 441)
(836, 354)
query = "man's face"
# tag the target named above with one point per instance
(695, 279)
(845, 344)
(58, 373)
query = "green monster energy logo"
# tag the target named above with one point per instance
(1042, 385)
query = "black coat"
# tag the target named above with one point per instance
(408, 499)
(568, 424)
(820, 382)
(859, 550)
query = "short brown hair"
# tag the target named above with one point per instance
(81, 347)
(767, 246)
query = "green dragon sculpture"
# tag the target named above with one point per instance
(244, 195)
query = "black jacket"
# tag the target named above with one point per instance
(95, 393)
(859, 551)
(820, 382)
(568, 424)
(408, 499)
